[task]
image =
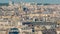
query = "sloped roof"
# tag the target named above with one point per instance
(58, 29)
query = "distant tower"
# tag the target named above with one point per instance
(42, 6)
(10, 3)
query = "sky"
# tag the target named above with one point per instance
(36, 1)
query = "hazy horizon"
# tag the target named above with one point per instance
(36, 1)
